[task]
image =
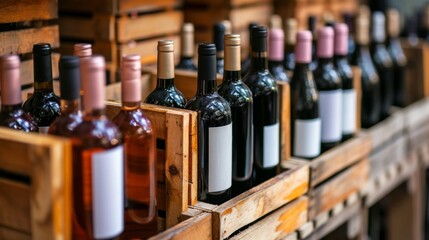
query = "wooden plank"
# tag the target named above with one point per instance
(22, 41)
(338, 158)
(260, 200)
(229, 3)
(416, 115)
(394, 152)
(96, 27)
(196, 228)
(22, 10)
(338, 189)
(134, 28)
(241, 17)
(15, 206)
(278, 224)
(284, 99)
(146, 5)
(115, 7)
(193, 160)
(27, 69)
(7, 233)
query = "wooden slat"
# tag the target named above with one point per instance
(338, 158)
(196, 228)
(416, 115)
(223, 3)
(193, 160)
(260, 200)
(15, 206)
(27, 69)
(338, 189)
(241, 17)
(394, 152)
(163, 23)
(7, 233)
(146, 5)
(115, 7)
(96, 27)
(22, 10)
(284, 99)
(278, 224)
(22, 41)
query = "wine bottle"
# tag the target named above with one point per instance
(349, 20)
(276, 22)
(290, 40)
(397, 55)
(218, 34)
(187, 54)
(98, 162)
(214, 131)
(305, 119)
(11, 114)
(276, 54)
(139, 147)
(239, 97)
(43, 105)
(370, 105)
(348, 121)
(82, 50)
(70, 94)
(383, 63)
(245, 65)
(329, 87)
(165, 93)
(265, 109)
(312, 27)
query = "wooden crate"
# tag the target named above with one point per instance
(177, 129)
(301, 10)
(35, 186)
(417, 84)
(252, 205)
(118, 28)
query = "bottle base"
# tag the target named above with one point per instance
(261, 175)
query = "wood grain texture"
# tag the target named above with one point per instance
(22, 41)
(416, 115)
(284, 99)
(395, 151)
(260, 200)
(338, 189)
(27, 70)
(24, 10)
(96, 27)
(279, 223)
(15, 206)
(195, 228)
(116, 7)
(7, 233)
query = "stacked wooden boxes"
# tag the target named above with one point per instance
(203, 14)
(24, 23)
(302, 9)
(116, 28)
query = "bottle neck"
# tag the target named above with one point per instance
(259, 61)
(6, 109)
(69, 106)
(42, 68)
(43, 86)
(206, 87)
(94, 114)
(289, 48)
(340, 57)
(165, 83)
(231, 76)
(131, 106)
(323, 61)
(220, 55)
(302, 67)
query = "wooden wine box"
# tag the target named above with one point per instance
(24, 24)
(117, 28)
(35, 186)
(204, 14)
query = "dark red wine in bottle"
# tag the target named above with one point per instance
(329, 88)
(70, 95)
(166, 93)
(214, 131)
(11, 114)
(239, 97)
(265, 109)
(187, 51)
(43, 105)
(370, 103)
(276, 54)
(305, 120)
(245, 66)
(341, 62)
(383, 62)
(397, 55)
(290, 40)
(218, 34)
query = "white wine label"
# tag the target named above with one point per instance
(330, 114)
(220, 158)
(349, 111)
(43, 130)
(108, 193)
(271, 145)
(306, 141)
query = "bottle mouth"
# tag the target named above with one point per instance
(165, 46)
(42, 49)
(10, 62)
(207, 49)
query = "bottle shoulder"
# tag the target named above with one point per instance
(99, 132)
(327, 77)
(170, 97)
(260, 82)
(18, 120)
(235, 93)
(133, 122)
(211, 107)
(381, 57)
(65, 124)
(397, 54)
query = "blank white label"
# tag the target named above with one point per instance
(330, 114)
(349, 111)
(271, 145)
(307, 138)
(220, 158)
(43, 130)
(108, 193)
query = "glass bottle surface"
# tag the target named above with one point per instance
(290, 40)
(187, 52)
(276, 55)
